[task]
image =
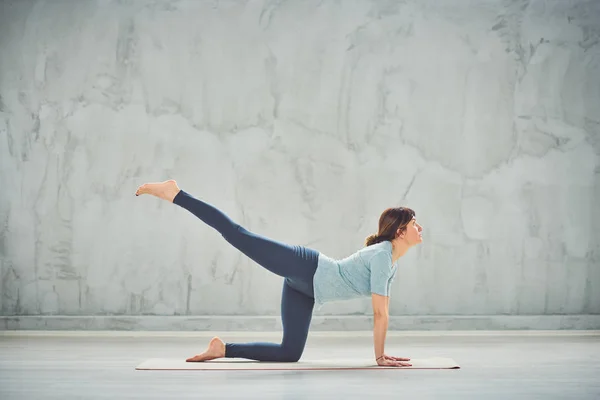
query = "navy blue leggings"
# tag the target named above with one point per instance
(297, 264)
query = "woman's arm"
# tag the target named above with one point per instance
(380, 323)
(381, 273)
(380, 327)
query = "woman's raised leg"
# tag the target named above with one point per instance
(294, 262)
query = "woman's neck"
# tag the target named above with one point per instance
(399, 248)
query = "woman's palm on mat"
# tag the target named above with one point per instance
(389, 361)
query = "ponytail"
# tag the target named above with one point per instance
(374, 239)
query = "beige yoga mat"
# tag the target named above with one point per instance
(242, 364)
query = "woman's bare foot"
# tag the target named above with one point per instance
(166, 190)
(216, 349)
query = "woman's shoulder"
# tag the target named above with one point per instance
(382, 250)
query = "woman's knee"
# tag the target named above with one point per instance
(291, 353)
(291, 358)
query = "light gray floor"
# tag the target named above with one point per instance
(494, 366)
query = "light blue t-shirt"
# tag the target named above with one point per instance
(369, 270)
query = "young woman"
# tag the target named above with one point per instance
(310, 276)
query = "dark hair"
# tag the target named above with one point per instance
(390, 221)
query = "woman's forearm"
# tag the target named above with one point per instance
(380, 327)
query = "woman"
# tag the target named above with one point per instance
(310, 276)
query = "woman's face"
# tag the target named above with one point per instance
(413, 233)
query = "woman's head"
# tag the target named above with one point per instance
(397, 222)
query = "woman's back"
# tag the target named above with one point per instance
(369, 270)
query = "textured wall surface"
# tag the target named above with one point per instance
(302, 121)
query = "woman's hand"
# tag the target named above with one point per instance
(389, 361)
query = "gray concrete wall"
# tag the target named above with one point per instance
(302, 121)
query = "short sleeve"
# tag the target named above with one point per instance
(381, 273)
